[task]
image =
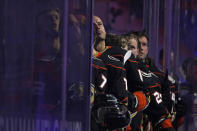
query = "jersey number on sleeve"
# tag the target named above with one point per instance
(158, 97)
(173, 96)
(125, 81)
(104, 81)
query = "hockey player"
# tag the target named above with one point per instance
(117, 82)
(99, 77)
(47, 63)
(157, 111)
(107, 110)
(130, 42)
(106, 52)
(134, 67)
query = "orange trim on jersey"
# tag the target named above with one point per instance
(166, 124)
(156, 85)
(125, 99)
(128, 128)
(172, 86)
(117, 67)
(118, 55)
(98, 54)
(142, 102)
(167, 112)
(99, 67)
(159, 73)
(109, 47)
(151, 126)
(132, 61)
(180, 122)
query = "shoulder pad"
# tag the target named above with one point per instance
(98, 63)
(119, 53)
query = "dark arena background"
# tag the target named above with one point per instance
(46, 56)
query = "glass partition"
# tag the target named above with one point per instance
(45, 49)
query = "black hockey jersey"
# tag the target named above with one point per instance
(114, 59)
(156, 111)
(116, 77)
(119, 53)
(169, 87)
(99, 77)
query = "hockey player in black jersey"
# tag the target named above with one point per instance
(107, 111)
(114, 65)
(138, 75)
(111, 118)
(170, 95)
(130, 42)
(117, 82)
(157, 111)
(98, 85)
(99, 77)
(174, 102)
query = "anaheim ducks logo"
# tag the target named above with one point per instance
(149, 74)
(113, 58)
(144, 74)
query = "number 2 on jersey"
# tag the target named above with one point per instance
(158, 97)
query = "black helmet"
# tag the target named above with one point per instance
(110, 112)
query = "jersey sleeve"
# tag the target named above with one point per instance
(99, 75)
(135, 80)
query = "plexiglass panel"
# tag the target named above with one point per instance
(45, 52)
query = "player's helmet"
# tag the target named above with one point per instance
(110, 112)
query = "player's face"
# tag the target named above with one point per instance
(99, 29)
(54, 20)
(50, 21)
(143, 47)
(133, 46)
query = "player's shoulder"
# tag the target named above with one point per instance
(158, 71)
(116, 51)
(112, 62)
(108, 58)
(119, 53)
(98, 63)
(133, 61)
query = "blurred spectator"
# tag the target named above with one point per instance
(47, 63)
(188, 90)
(48, 23)
(188, 74)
